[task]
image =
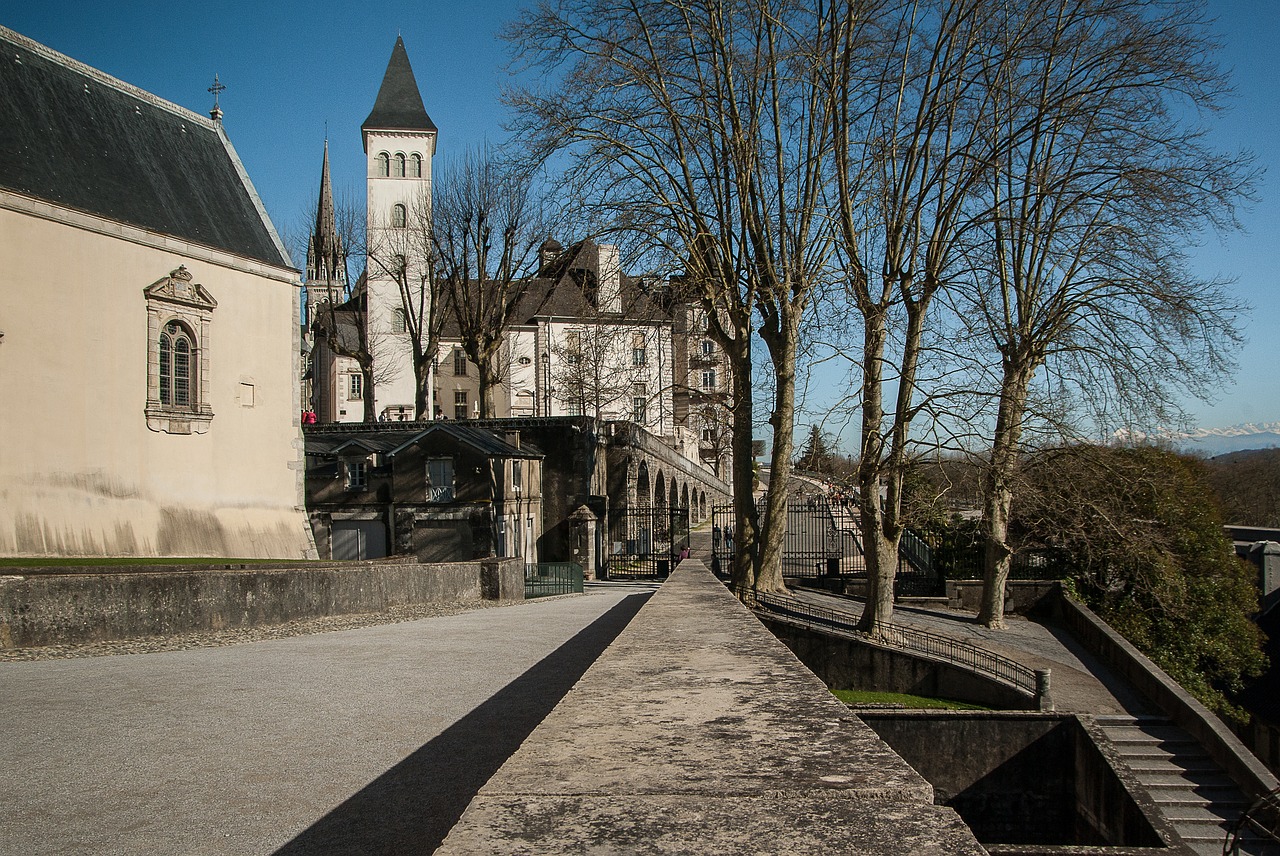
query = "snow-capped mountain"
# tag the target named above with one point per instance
(1220, 441)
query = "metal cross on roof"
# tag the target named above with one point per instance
(217, 89)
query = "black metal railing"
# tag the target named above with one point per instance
(1261, 820)
(900, 636)
(548, 578)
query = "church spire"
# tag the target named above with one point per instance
(398, 106)
(324, 251)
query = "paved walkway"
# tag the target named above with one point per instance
(360, 741)
(1079, 683)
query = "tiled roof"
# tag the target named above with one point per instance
(80, 139)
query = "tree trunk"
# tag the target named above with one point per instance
(366, 372)
(422, 386)
(881, 555)
(774, 531)
(998, 490)
(745, 537)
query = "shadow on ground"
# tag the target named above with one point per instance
(411, 807)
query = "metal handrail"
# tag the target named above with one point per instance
(900, 636)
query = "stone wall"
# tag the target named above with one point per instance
(70, 608)
(696, 732)
(844, 663)
(1187, 713)
(1029, 782)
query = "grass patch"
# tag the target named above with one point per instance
(117, 561)
(904, 699)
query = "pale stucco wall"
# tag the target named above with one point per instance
(80, 471)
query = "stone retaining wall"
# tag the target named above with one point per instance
(46, 608)
(697, 732)
(847, 663)
(1189, 714)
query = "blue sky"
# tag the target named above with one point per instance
(294, 69)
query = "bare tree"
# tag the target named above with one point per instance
(340, 311)
(487, 224)
(909, 151)
(703, 126)
(1096, 185)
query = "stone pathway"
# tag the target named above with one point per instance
(366, 740)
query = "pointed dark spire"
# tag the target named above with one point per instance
(324, 252)
(399, 103)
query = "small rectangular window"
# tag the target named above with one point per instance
(355, 387)
(357, 475)
(440, 480)
(459, 404)
(573, 347)
(517, 476)
(709, 379)
(708, 348)
(459, 362)
(639, 404)
(638, 356)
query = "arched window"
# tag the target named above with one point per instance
(398, 166)
(384, 164)
(415, 166)
(399, 216)
(177, 366)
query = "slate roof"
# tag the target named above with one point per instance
(563, 289)
(80, 139)
(392, 441)
(398, 106)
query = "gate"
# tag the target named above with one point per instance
(646, 541)
(820, 540)
(551, 578)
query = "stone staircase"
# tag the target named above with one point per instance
(1192, 792)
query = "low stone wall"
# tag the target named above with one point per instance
(847, 663)
(1030, 784)
(1189, 714)
(1021, 597)
(697, 732)
(45, 608)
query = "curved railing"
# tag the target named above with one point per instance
(900, 636)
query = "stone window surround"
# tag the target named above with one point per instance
(177, 297)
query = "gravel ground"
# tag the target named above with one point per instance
(241, 635)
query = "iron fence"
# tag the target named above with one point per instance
(550, 578)
(900, 636)
(646, 541)
(817, 543)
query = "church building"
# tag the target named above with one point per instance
(149, 344)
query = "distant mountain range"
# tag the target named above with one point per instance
(1221, 441)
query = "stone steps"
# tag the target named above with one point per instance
(1197, 798)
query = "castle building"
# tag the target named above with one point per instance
(149, 344)
(587, 339)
